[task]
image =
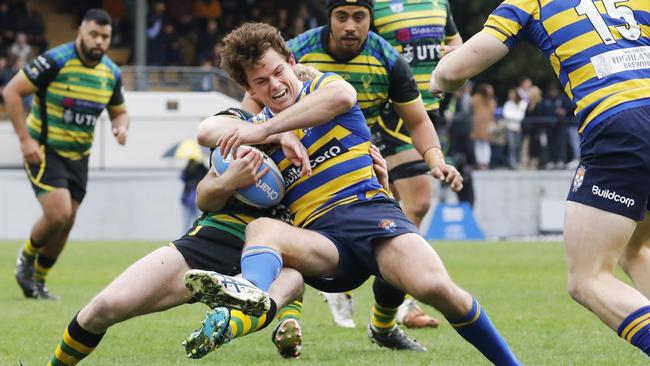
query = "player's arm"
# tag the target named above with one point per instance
(37, 74)
(477, 54)
(320, 106)
(333, 97)
(251, 104)
(117, 112)
(453, 39)
(213, 191)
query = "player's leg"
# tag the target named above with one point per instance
(410, 178)
(221, 324)
(270, 245)
(50, 254)
(382, 325)
(635, 260)
(592, 256)
(56, 208)
(426, 278)
(341, 306)
(154, 283)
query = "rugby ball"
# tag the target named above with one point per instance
(268, 191)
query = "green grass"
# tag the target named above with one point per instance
(521, 285)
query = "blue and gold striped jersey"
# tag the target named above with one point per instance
(417, 29)
(600, 49)
(377, 73)
(69, 98)
(342, 169)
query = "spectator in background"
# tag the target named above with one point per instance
(21, 50)
(524, 88)
(309, 21)
(206, 41)
(155, 21)
(5, 72)
(554, 108)
(532, 130)
(182, 13)
(461, 150)
(33, 26)
(207, 9)
(282, 23)
(173, 56)
(7, 25)
(483, 108)
(514, 111)
(191, 176)
(204, 81)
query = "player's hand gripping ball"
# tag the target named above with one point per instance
(268, 191)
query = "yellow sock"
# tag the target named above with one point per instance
(382, 319)
(29, 250)
(42, 267)
(293, 310)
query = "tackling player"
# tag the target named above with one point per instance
(600, 51)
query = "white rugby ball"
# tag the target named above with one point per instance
(268, 191)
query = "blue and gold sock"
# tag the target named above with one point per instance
(31, 249)
(382, 318)
(478, 330)
(42, 267)
(241, 324)
(636, 329)
(291, 311)
(76, 344)
(261, 265)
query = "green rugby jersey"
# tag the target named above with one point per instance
(378, 73)
(69, 97)
(233, 218)
(417, 29)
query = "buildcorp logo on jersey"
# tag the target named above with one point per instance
(612, 196)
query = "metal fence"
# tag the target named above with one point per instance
(158, 78)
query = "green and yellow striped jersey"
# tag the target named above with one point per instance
(417, 29)
(378, 73)
(69, 97)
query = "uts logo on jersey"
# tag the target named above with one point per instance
(81, 112)
(387, 224)
(579, 178)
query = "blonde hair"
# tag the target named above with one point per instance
(305, 73)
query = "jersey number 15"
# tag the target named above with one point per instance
(630, 31)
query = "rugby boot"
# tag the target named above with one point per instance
(42, 293)
(217, 290)
(214, 332)
(394, 339)
(25, 274)
(411, 315)
(342, 307)
(287, 337)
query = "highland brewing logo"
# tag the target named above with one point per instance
(579, 178)
(612, 196)
(330, 150)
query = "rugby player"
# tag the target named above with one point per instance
(72, 84)
(345, 226)
(600, 51)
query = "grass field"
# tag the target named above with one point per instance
(522, 285)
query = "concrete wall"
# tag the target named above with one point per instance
(144, 205)
(158, 121)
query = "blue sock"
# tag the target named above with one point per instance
(636, 329)
(260, 265)
(478, 330)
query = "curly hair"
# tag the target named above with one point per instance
(246, 45)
